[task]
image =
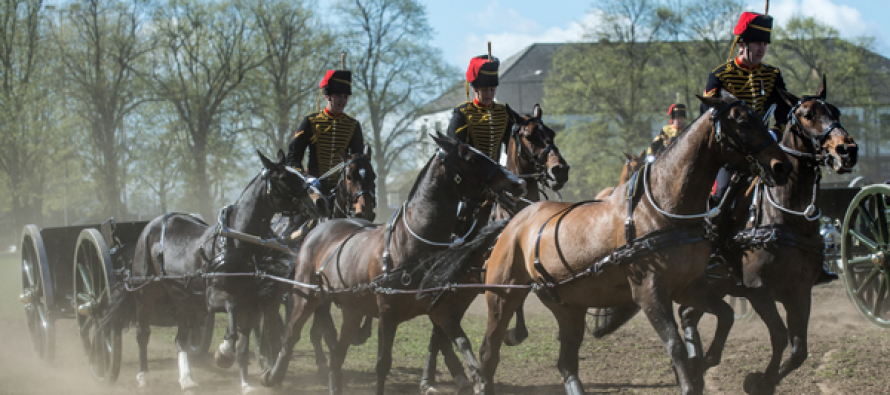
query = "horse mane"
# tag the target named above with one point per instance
(452, 264)
(420, 177)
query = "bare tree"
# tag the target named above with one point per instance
(395, 72)
(284, 87)
(205, 55)
(24, 138)
(101, 47)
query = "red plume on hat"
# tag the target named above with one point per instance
(483, 71)
(337, 81)
(752, 27)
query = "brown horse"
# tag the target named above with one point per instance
(783, 266)
(344, 256)
(532, 154)
(631, 165)
(589, 258)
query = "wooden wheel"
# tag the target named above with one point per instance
(741, 308)
(864, 253)
(93, 279)
(37, 294)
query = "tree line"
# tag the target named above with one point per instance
(644, 55)
(133, 107)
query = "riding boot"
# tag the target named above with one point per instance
(826, 276)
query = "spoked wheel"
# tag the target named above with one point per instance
(864, 253)
(740, 308)
(93, 278)
(37, 294)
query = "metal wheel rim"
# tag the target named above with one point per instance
(864, 251)
(35, 271)
(93, 279)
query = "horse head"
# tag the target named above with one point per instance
(287, 189)
(475, 174)
(356, 196)
(536, 152)
(744, 139)
(817, 123)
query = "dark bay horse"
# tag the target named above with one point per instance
(532, 154)
(588, 257)
(174, 250)
(784, 266)
(344, 256)
(631, 165)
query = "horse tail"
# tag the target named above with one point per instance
(453, 263)
(608, 320)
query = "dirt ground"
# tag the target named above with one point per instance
(847, 356)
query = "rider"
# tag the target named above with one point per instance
(485, 125)
(758, 85)
(677, 114)
(327, 133)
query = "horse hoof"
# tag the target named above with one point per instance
(464, 386)
(247, 390)
(574, 387)
(187, 384)
(223, 361)
(426, 389)
(755, 384)
(266, 379)
(485, 389)
(513, 339)
(142, 379)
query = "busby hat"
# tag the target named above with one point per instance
(337, 81)
(483, 71)
(753, 27)
(677, 110)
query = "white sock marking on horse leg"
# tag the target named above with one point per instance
(142, 379)
(226, 348)
(185, 374)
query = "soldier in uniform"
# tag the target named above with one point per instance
(485, 125)
(758, 85)
(677, 115)
(327, 132)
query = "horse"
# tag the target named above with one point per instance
(353, 196)
(813, 137)
(645, 251)
(533, 155)
(175, 251)
(344, 256)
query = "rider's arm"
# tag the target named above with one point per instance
(782, 108)
(457, 128)
(357, 143)
(712, 89)
(297, 147)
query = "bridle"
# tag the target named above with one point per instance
(349, 210)
(733, 141)
(524, 153)
(816, 159)
(275, 191)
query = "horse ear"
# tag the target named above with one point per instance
(789, 98)
(537, 112)
(281, 156)
(367, 150)
(266, 162)
(642, 153)
(627, 156)
(711, 102)
(823, 89)
(445, 143)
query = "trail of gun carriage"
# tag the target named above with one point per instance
(401, 191)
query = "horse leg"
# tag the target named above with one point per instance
(143, 333)
(763, 303)
(500, 310)
(439, 342)
(225, 354)
(655, 303)
(350, 327)
(301, 311)
(699, 299)
(519, 333)
(571, 334)
(798, 312)
(322, 327)
(386, 334)
(365, 333)
(182, 344)
(246, 320)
